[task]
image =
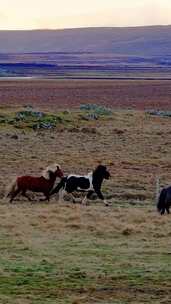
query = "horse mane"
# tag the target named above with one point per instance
(50, 169)
(99, 169)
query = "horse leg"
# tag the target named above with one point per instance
(100, 196)
(84, 201)
(61, 195)
(163, 211)
(26, 195)
(14, 194)
(73, 198)
(167, 208)
(90, 193)
(46, 198)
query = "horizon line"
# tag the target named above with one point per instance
(86, 27)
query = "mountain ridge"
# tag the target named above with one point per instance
(144, 41)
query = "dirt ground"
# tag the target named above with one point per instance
(135, 94)
(63, 253)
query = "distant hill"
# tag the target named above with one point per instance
(133, 52)
(134, 41)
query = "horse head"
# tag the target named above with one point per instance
(102, 172)
(52, 171)
(59, 172)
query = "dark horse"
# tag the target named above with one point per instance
(164, 201)
(43, 184)
(89, 183)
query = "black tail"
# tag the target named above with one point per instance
(59, 186)
(161, 201)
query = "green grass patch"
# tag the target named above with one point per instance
(29, 119)
(77, 265)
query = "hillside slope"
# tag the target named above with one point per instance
(144, 41)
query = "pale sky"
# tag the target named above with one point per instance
(57, 14)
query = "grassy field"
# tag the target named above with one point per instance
(65, 253)
(73, 254)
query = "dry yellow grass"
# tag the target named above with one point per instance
(64, 253)
(134, 146)
(85, 254)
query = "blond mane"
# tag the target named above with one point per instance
(51, 168)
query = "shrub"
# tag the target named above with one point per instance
(96, 109)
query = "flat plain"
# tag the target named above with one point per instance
(63, 253)
(118, 94)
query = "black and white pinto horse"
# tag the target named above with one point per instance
(164, 201)
(89, 183)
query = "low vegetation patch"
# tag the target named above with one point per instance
(29, 118)
(94, 111)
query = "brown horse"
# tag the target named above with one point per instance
(43, 184)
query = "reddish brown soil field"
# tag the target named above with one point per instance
(138, 94)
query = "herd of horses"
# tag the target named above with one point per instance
(90, 183)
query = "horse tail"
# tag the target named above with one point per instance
(59, 186)
(12, 188)
(161, 201)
